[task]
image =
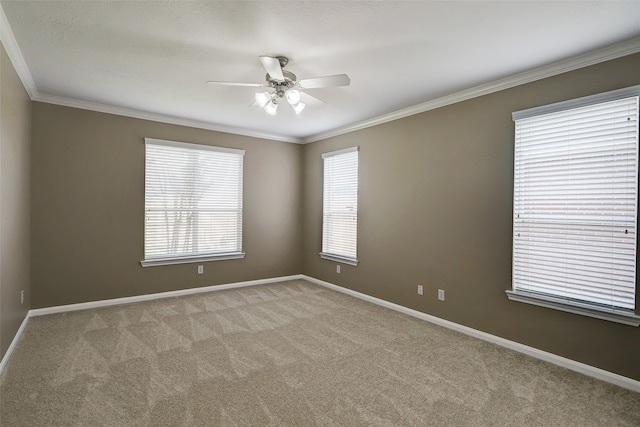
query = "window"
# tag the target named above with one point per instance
(193, 203)
(575, 206)
(340, 206)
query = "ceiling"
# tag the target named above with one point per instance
(152, 59)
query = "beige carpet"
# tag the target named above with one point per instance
(289, 353)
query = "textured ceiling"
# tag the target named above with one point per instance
(155, 57)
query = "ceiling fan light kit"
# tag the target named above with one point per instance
(263, 98)
(267, 100)
(284, 84)
(298, 107)
(272, 107)
(293, 96)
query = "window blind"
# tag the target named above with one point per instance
(340, 204)
(575, 204)
(193, 200)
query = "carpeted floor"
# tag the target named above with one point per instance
(284, 354)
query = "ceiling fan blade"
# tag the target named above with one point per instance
(327, 81)
(311, 100)
(235, 84)
(272, 65)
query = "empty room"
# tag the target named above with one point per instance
(331, 213)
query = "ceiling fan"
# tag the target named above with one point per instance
(284, 85)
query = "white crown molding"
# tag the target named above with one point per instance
(608, 53)
(15, 55)
(582, 368)
(17, 60)
(155, 117)
(614, 51)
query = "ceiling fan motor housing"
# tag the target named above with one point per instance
(281, 86)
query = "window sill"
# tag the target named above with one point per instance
(187, 260)
(339, 258)
(619, 316)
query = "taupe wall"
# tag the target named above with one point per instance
(435, 206)
(15, 117)
(88, 208)
(435, 209)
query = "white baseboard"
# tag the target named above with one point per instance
(159, 295)
(582, 368)
(129, 300)
(14, 342)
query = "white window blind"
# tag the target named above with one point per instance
(340, 206)
(193, 202)
(575, 202)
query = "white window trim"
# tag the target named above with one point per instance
(577, 103)
(627, 317)
(618, 316)
(187, 260)
(200, 147)
(339, 152)
(327, 255)
(153, 262)
(338, 258)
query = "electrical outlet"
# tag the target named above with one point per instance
(441, 294)
(21, 297)
(200, 269)
(420, 290)
(338, 268)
